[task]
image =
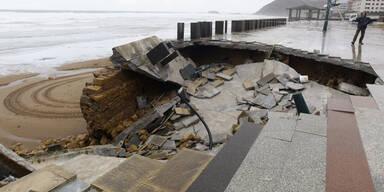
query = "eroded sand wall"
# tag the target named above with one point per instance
(321, 72)
(109, 102)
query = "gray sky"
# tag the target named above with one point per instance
(139, 5)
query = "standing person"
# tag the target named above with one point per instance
(362, 24)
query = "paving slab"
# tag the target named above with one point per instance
(363, 102)
(90, 167)
(46, 179)
(128, 175)
(370, 123)
(347, 166)
(377, 92)
(180, 171)
(278, 165)
(280, 126)
(227, 161)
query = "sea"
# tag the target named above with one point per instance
(39, 41)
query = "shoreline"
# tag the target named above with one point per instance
(39, 109)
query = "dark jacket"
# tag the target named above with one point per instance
(363, 22)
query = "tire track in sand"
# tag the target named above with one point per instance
(41, 95)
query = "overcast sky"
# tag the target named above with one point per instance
(249, 6)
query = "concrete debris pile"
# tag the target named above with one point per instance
(273, 87)
(153, 58)
(134, 107)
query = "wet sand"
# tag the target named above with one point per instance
(97, 63)
(40, 108)
(6, 80)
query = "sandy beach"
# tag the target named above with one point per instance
(44, 108)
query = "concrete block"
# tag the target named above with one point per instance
(230, 72)
(207, 91)
(217, 83)
(224, 76)
(169, 145)
(295, 86)
(46, 179)
(267, 102)
(352, 89)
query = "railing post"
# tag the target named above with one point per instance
(180, 31)
(195, 31)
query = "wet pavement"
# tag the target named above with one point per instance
(308, 35)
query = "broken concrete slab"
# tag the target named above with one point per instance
(163, 155)
(201, 147)
(276, 86)
(169, 145)
(295, 86)
(188, 72)
(207, 91)
(190, 121)
(46, 179)
(217, 138)
(7, 181)
(151, 57)
(13, 164)
(156, 140)
(142, 123)
(186, 122)
(182, 111)
(283, 79)
(277, 96)
(128, 175)
(109, 151)
(258, 115)
(266, 79)
(191, 89)
(279, 68)
(265, 90)
(209, 75)
(230, 72)
(252, 71)
(352, 89)
(249, 84)
(267, 102)
(74, 185)
(217, 83)
(180, 171)
(88, 168)
(224, 76)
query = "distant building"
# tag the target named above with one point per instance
(369, 6)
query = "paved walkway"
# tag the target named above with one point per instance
(308, 35)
